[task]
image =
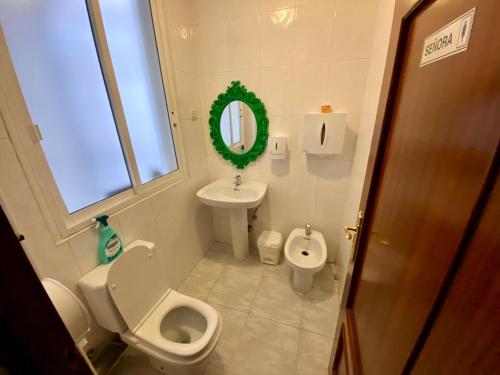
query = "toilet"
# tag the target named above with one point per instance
(131, 296)
(70, 308)
(305, 253)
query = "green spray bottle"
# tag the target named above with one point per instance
(110, 244)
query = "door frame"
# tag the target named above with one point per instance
(403, 11)
(34, 337)
(403, 14)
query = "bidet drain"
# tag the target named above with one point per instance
(305, 253)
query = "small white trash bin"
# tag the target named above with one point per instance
(269, 244)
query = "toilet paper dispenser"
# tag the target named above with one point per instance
(324, 133)
(277, 147)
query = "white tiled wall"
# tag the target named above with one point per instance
(378, 54)
(296, 55)
(181, 227)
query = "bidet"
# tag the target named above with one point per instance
(306, 255)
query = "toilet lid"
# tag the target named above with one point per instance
(136, 282)
(73, 312)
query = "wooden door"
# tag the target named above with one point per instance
(435, 146)
(33, 337)
(465, 338)
(342, 363)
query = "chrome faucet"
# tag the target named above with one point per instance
(308, 229)
(237, 181)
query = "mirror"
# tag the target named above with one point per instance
(239, 125)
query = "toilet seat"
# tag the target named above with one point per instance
(150, 329)
(141, 293)
(153, 351)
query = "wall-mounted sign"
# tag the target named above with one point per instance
(448, 40)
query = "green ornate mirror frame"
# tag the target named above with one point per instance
(237, 92)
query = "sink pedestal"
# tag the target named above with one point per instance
(239, 232)
(237, 199)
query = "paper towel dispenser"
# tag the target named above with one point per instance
(324, 133)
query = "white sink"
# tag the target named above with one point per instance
(222, 193)
(237, 199)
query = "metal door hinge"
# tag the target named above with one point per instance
(35, 133)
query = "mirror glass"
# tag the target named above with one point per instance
(238, 127)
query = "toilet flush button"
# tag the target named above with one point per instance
(113, 286)
(150, 255)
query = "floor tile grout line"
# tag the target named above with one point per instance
(205, 297)
(216, 280)
(224, 267)
(283, 323)
(225, 262)
(316, 333)
(230, 308)
(274, 320)
(256, 291)
(298, 352)
(261, 277)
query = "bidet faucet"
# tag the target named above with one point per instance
(308, 229)
(237, 180)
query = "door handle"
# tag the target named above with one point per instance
(352, 232)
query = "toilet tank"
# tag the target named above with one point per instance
(94, 286)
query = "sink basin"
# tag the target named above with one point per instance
(222, 193)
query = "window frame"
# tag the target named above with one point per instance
(13, 107)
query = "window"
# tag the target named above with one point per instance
(92, 81)
(131, 40)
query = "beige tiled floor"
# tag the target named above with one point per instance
(269, 329)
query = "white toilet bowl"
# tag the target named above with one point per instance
(306, 255)
(178, 335)
(131, 296)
